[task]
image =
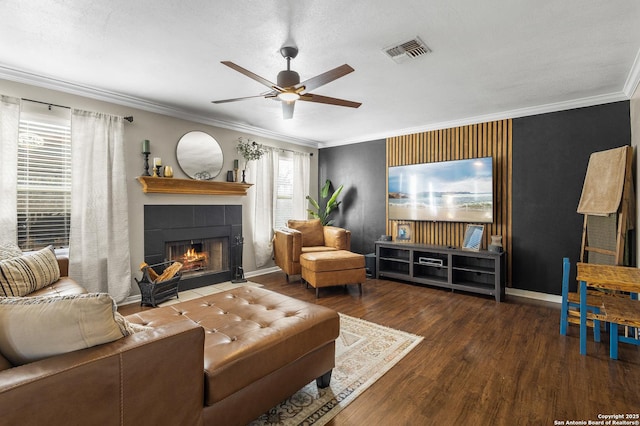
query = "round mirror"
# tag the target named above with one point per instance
(199, 155)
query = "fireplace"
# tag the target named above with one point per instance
(203, 238)
(198, 257)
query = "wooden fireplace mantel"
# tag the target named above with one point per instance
(163, 185)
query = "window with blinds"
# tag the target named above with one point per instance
(284, 195)
(44, 176)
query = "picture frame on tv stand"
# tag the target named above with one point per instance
(473, 237)
(404, 232)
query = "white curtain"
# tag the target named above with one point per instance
(9, 124)
(99, 256)
(301, 167)
(266, 197)
(266, 184)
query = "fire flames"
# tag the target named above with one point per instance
(194, 260)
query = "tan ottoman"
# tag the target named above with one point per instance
(330, 268)
(260, 347)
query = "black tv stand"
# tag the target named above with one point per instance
(441, 266)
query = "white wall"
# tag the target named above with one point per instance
(164, 133)
(634, 106)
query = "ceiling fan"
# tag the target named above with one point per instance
(289, 88)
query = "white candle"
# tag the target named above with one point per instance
(157, 161)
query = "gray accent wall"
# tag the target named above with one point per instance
(361, 168)
(550, 156)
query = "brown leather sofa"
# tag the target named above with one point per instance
(64, 285)
(136, 380)
(222, 359)
(306, 236)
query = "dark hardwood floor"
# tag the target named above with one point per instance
(481, 362)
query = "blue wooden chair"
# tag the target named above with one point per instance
(571, 305)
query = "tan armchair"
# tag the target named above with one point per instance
(305, 236)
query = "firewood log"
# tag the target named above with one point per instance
(153, 275)
(170, 272)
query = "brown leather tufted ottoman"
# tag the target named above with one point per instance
(329, 268)
(260, 347)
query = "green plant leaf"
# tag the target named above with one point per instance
(332, 203)
(335, 195)
(313, 202)
(324, 192)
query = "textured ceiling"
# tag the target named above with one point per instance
(491, 59)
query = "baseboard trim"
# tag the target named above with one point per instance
(509, 291)
(264, 271)
(136, 298)
(534, 295)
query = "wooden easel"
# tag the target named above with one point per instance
(625, 219)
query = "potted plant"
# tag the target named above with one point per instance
(250, 150)
(331, 204)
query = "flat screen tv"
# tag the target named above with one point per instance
(450, 191)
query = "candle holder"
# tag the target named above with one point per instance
(156, 171)
(146, 164)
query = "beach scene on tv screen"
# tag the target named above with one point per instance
(454, 191)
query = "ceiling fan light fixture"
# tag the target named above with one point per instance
(288, 89)
(288, 96)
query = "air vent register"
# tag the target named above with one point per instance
(410, 49)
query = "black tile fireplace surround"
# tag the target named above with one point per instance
(166, 223)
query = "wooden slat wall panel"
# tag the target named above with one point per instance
(477, 140)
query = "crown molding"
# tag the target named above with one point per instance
(515, 113)
(633, 78)
(25, 77)
(20, 76)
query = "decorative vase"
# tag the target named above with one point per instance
(496, 244)
(168, 171)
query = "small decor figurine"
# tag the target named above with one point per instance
(496, 244)
(157, 164)
(250, 150)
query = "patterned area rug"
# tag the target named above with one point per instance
(364, 352)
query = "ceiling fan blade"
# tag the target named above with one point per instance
(252, 76)
(287, 109)
(223, 101)
(324, 78)
(308, 97)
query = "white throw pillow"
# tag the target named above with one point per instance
(34, 328)
(128, 328)
(9, 250)
(31, 271)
